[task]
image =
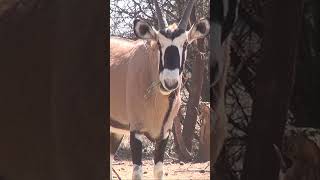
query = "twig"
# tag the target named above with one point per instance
(193, 170)
(172, 158)
(119, 163)
(116, 174)
(207, 166)
(240, 105)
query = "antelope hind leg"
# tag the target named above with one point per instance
(136, 151)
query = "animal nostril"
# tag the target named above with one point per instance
(171, 84)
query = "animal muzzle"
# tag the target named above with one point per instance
(171, 84)
(170, 80)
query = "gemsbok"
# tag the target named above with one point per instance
(145, 82)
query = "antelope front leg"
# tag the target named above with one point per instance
(158, 158)
(136, 151)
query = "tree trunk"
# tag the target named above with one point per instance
(197, 80)
(274, 82)
(204, 144)
(181, 149)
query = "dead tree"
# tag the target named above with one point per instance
(220, 39)
(196, 89)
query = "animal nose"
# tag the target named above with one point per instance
(171, 84)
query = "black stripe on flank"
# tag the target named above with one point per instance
(171, 98)
(118, 125)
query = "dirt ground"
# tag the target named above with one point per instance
(176, 171)
(173, 168)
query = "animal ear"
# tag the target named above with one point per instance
(143, 30)
(198, 30)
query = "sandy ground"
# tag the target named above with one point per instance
(176, 171)
(173, 168)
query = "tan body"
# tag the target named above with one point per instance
(133, 69)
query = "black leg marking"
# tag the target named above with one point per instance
(160, 149)
(136, 149)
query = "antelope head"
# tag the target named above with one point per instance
(172, 44)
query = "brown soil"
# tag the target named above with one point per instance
(173, 168)
(176, 171)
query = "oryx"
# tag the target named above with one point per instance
(145, 82)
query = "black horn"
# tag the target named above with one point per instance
(184, 20)
(161, 21)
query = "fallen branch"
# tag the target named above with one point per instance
(193, 170)
(119, 163)
(116, 174)
(207, 166)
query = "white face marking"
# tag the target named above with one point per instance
(158, 170)
(170, 77)
(138, 136)
(137, 172)
(178, 42)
